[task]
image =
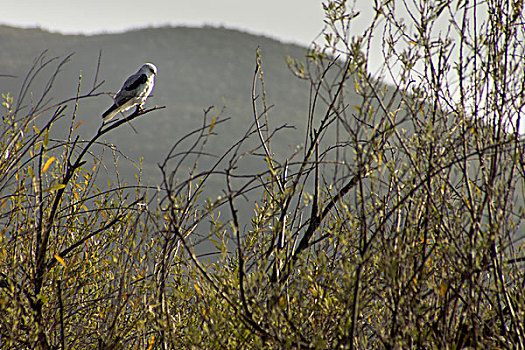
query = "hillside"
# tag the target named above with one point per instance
(198, 68)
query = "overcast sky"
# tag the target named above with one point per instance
(296, 21)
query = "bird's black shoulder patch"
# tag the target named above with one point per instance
(140, 80)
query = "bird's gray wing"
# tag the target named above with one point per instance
(130, 88)
(136, 82)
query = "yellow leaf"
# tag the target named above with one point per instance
(151, 342)
(357, 87)
(443, 289)
(48, 164)
(60, 260)
(197, 289)
(212, 124)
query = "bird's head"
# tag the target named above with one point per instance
(149, 68)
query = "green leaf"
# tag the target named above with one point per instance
(55, 187)
(46, 138)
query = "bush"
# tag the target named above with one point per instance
(396, 225)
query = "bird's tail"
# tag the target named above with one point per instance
(110, 113)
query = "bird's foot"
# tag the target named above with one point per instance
(139, 109)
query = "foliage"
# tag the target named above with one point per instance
(397, 224)
(67, 272)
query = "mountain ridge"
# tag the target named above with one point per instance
(198, 68)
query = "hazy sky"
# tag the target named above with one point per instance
(288, 20)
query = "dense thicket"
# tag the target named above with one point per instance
(397, 223)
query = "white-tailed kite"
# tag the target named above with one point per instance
(135, 91)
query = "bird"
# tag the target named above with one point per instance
(133, 92)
